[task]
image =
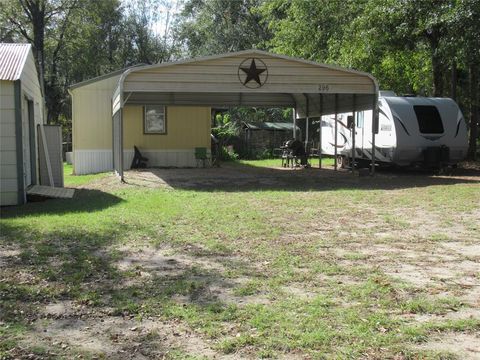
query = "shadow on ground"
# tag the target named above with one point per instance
(244, 178)
(75, 291)
(68, 291)
(84, 200)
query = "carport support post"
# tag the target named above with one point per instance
(374, 130)
(294, 116)
(121, 146)
(336, 130)
(354, 130)
(307, 120)
(320, 106)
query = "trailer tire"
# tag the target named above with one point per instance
(341, 161)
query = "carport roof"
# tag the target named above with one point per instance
(222, 80)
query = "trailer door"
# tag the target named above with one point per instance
(359, 132)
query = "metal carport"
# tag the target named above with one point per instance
(246, 78)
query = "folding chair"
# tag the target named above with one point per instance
(139, 161)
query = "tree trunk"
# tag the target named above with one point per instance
(473, 82)
(437, 75)
(433, 39)
(37, 12)
(453, 89)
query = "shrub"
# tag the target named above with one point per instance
(226, 155)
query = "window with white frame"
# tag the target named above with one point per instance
(154, 119)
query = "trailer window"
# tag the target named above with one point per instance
(360, 119)
(429, 120)
(326, 124)
(385, 127)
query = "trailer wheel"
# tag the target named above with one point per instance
(341, 161)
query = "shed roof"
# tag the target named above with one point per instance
(12, 60)
(281, 126)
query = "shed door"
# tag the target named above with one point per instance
(28, 141)
(27, 168)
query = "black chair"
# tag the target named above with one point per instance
(139, 161)
(294, 154)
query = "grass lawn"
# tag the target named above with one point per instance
(347, 267)
(72, 180)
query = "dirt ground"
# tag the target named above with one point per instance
(445, 268)
(231, 177)
(451, 268)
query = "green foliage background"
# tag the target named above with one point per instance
(425, 47)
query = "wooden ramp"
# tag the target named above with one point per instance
(51, 192)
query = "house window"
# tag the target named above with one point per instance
(429, 120)
(154, 119)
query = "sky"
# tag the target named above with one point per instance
(171, 7)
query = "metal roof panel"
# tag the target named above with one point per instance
(282, 126)
(12, 60)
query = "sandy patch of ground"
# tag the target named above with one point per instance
(209, 271)
(425, 264)
(7, 255)
(460, 314)
(472, 250)
(119, 337)
(463, 345)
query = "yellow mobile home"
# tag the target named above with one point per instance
(170, 141)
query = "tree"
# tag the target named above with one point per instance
(427, 47)
(140, 43)
(207, 27)
(74, 40)
(306, 28)
(36, 21)
(466, 31)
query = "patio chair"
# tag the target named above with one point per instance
(139, 161)
(201, 155)
(294, 154)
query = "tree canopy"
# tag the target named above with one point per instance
(425, 47)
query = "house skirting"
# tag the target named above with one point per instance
(95, 161)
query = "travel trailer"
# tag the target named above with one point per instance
(412, 131)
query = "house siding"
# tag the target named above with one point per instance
(187, 127)
(8, 151)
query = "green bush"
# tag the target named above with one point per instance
(225, 155)
(259, 154)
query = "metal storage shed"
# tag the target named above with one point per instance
(21, 110)
(28, 156)
(245, 78)
(269, 136)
